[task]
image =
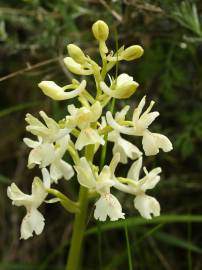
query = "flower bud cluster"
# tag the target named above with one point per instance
(90, 127)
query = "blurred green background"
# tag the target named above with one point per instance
(33, 39)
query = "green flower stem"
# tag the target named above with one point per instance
(88, 96)
(79, 222)
(69, 205)
(103, 152)
(75, 132)
(98, 79)
(104, 68)
(78, 231)
(105, 130)
(73, 153)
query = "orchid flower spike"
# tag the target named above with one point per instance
(86, 128)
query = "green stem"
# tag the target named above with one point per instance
(78, 231)
(79, 222)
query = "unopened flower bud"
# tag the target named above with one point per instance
(75, 67)
(76, 53)
(132, 53)
(51, 89)
(100, 30)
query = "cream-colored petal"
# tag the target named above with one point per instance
(38, 192)
(61, 146)
(66, 169)
(72, 109)
(96, 111)
(108, 205)
(59, 169)
(46, 178)
(149, 144)
(145, 121)
(33, 121)
(137, 112)
(114, 163)
(126, 150)
(88, 136)
(84, 174)
(56, 92)
(150, 180)
(31, 143)
(147, 206)
(17, 196)
(123, 78)
(75, 67)
(32, 222)
(50, 122)
(122, 129)
(104, 180)
(48, 132)
(42, 155)
(134, 171)
(120, 92)
(120, 116)
(152, 142)
(163, 142)
(52, 90)
(76, 53)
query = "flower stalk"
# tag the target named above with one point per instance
(79, 226)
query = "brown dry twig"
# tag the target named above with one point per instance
(112, 11)
(29, 68)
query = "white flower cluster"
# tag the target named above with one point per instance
(87, 128)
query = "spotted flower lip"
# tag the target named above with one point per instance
(147, 206)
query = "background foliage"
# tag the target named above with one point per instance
(33, 39)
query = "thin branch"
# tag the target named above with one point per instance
(113, 12)
(29, 68)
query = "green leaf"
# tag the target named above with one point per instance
(137, 221)
(17, 108)
(177, 242)
(4, 179)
